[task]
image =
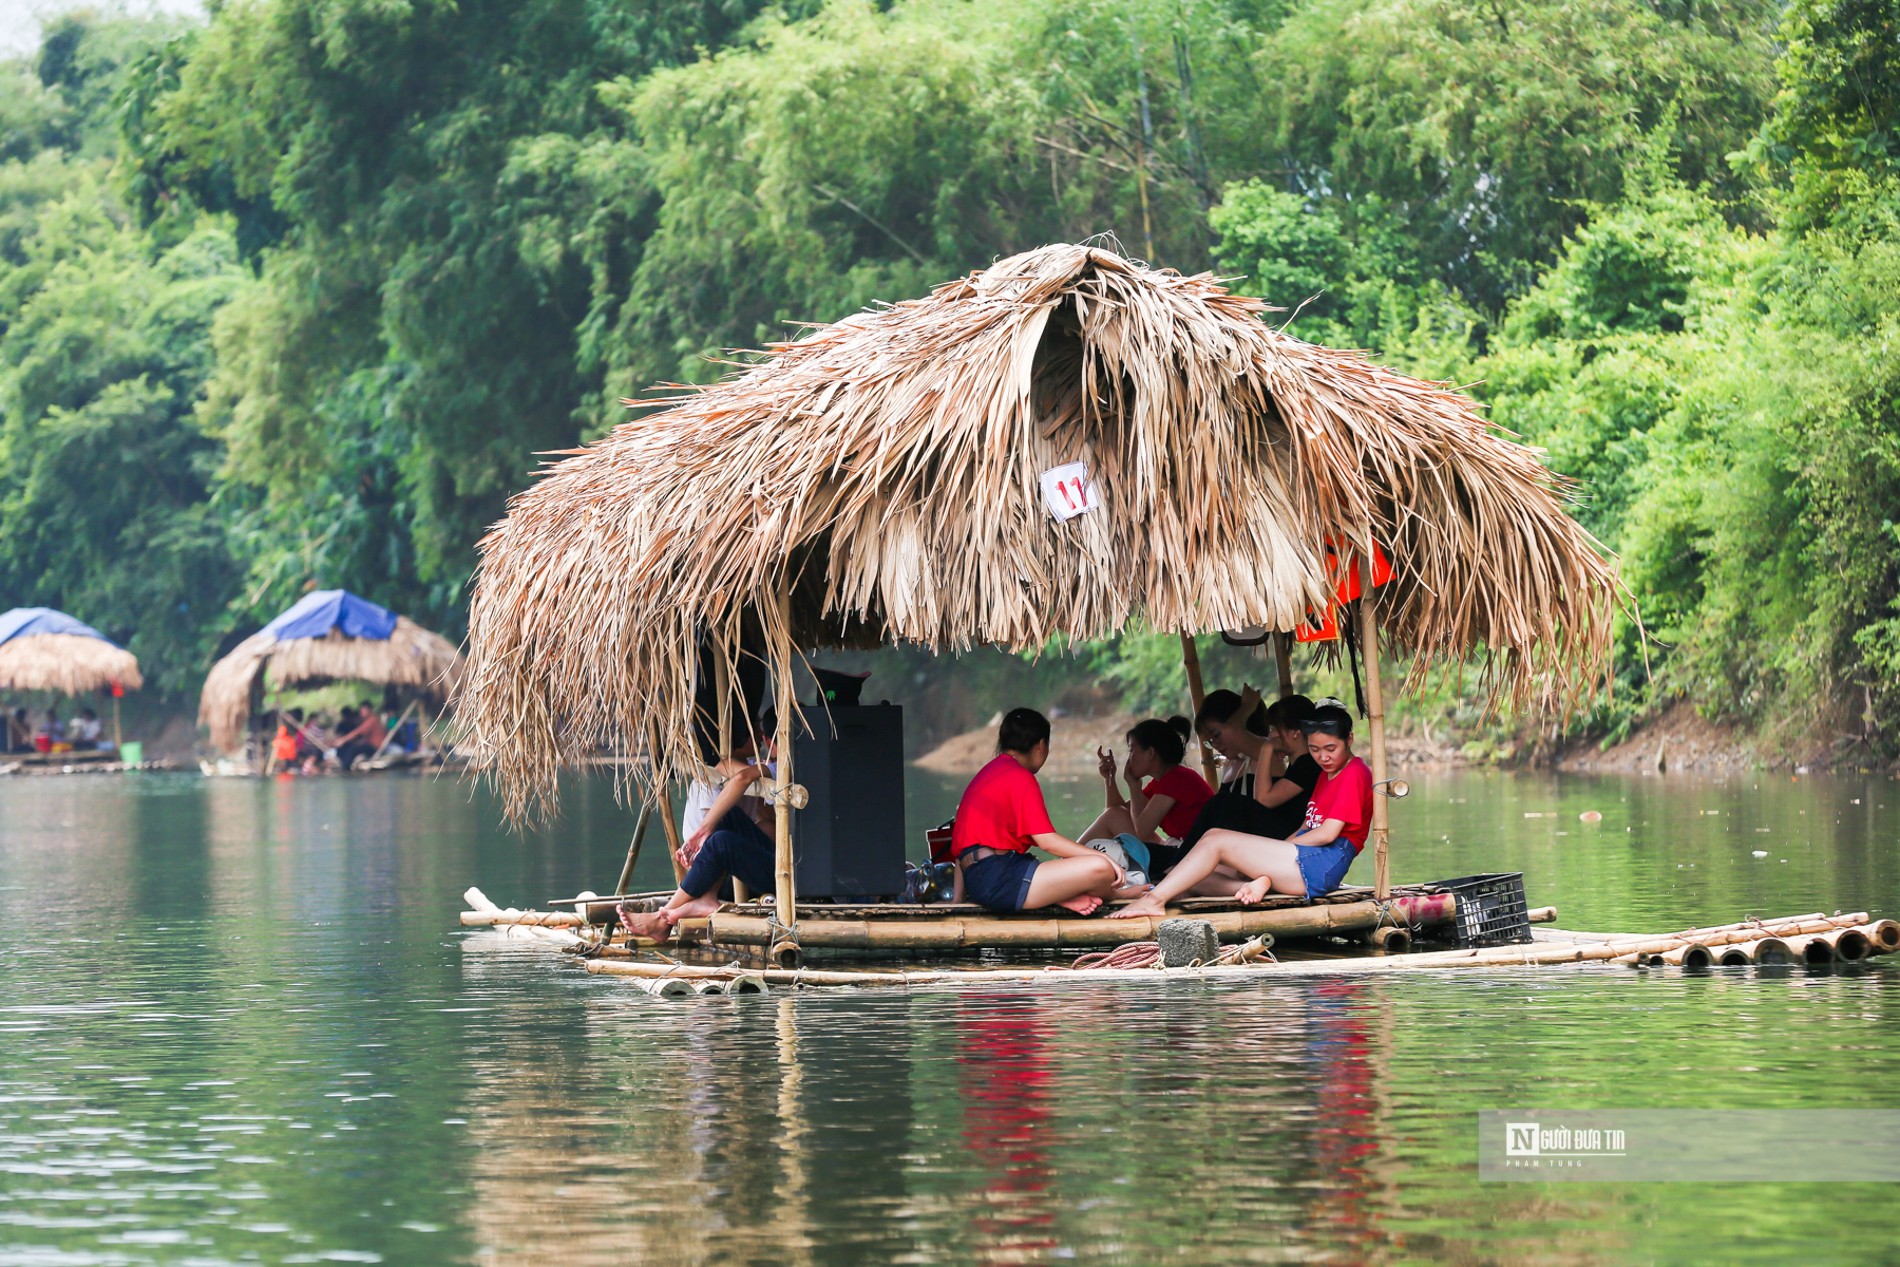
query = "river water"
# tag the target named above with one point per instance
(239, 1024)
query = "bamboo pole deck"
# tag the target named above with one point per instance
(978, 977)
(972, 932)
(1812, 939)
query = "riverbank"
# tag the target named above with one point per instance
(1680, 740)
(1075, 739)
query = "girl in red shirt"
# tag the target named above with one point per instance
(1169, 800)
(1313, 860)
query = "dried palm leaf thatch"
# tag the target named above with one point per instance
(884, 472)
(71, 664)
(411, 656)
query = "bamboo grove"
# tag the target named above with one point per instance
(293, 296)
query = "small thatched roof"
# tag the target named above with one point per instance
(46, 650)
(327, 636)
(886, 469)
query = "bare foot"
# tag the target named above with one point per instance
(1253, 891)
(1144, 906)
(1087, 904)
(652, 925)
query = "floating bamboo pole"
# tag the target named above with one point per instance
(1883, 936)
(1850, 944)
(1812, 949)
(1375, 706)
(1763, 950)
(1390, 940)
(977, 932)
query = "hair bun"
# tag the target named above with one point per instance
(1182, 726)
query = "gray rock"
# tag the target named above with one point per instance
(1184, 941)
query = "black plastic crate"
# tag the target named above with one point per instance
(1491, 910)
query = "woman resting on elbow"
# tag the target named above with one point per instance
(1170, 799)
(1313, 860)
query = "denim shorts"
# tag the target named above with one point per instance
(1323, 867)
(1000, 881)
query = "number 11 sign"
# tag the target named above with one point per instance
(1068, 490)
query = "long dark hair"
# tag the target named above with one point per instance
(1221, 706)
(1166, 739)
(1289, 711)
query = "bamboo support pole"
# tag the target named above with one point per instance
(671, 828)
(1197, 695)
(722, 712)
(1283, 660)
(785, 897)
(1375, 705)
(118, 733)
(633, 849)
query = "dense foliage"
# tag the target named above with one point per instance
(294, 296)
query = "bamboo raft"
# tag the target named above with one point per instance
(1813, 939)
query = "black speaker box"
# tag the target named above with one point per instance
(849, 838)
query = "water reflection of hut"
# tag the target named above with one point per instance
(46, 650)
(327, 636)
(899, 476)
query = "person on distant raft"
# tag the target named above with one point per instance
(85, 731)
(362, 741)
(726, 843)
(1313, 861)
(19, 732)
(1002, 814)
(1169, 801)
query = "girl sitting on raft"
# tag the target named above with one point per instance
(1313, 861)
(1275, 776)
(726, 839)
(1002, 814)
(1169, 801)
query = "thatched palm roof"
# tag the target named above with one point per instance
(887, 469)
(46, 650)
(405, 655)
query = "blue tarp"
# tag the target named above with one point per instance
(25, 622)
(317, 614)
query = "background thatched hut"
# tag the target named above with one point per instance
(878, 480)
(329, 635)
(46, 650)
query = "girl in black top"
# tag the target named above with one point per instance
(1270, 798)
